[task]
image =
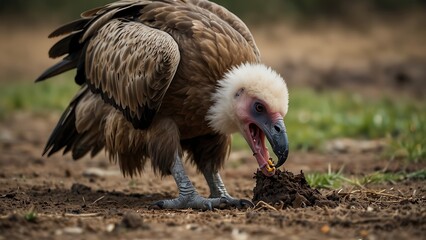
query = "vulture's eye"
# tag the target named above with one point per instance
(259, 107)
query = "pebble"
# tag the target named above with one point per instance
(110, 227)
(6, 136)
(325, 229)
(98, 172)
(70, 230)
(238, 234)
(191, 227)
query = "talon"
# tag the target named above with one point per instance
(246, 203)
(208, 206)
(157, 205)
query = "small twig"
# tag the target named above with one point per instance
(8, 195)
(382, 194)
(264, 205)
(395, 201)
(82, 215)
(382, 191)
(97, 200)
(350, 192)
(379, 193)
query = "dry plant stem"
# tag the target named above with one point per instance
(83, 215)
(377, 193)
(263, 205)
(97, 200)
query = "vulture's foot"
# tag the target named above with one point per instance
(218, 190)
(236, 203)
(193, 201)
(188, 196)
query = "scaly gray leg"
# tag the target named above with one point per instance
(188, 196)
(218, 190)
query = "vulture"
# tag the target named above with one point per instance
(166, 81)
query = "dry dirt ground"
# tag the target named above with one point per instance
(89, 199)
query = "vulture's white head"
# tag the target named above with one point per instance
(253, 99)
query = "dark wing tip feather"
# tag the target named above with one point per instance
(90, 13)
(70, 27)
(65, 133)
(96, 149)
(66, 45)
(61, 67)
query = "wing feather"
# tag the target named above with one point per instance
(234, 21)
(137, 83)
(124, 52)
(64, 46)
(101, 16)
(73, 26)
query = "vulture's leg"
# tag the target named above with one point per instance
(218, 190)
(188, 196)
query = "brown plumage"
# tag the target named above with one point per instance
(128, 53)
(149, 72)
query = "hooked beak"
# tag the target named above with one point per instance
(276, 134)
(273, 129)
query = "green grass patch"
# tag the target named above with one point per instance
(411, 144)
(329, 180)
(314, 118)
(52, 94)
(31, 215)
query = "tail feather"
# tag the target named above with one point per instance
(62, 134)
(65, 132)
(77, 140)
(84, 144)
(96, 149)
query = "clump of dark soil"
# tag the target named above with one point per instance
(78, 188)
(288, 190)
(131, 221)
